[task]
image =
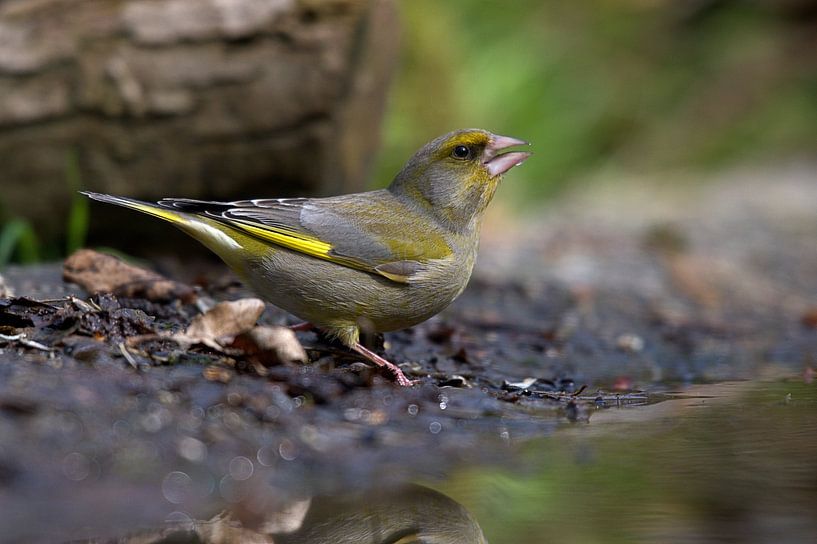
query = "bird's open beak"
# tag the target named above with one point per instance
(497, 163)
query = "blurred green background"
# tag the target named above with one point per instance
(610, 86)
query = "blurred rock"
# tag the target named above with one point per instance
(196, 98)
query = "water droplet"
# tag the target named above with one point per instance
(69, 424)
(233, 419)
(76, 466)
(176, 487)
(240, 468)
(413, 409)
(121, 428)
(435, 427)
(192, 449)
(152, 423)
(272, 412)
(266, 456)
(287, 450)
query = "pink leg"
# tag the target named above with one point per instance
(305, 326)
(399, 377)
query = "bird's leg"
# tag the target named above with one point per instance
(399, 377)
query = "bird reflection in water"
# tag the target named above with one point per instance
(410, 514)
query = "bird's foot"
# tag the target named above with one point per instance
(399, 377)
(395, 371)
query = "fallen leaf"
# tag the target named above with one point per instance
(99, 273)
(215, 373)
(218, 326)
(271, 346)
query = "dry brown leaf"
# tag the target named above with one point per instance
(271, 346)
(223, 322)
(99, 273)
(215, 373)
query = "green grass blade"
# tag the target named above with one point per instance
(17, 236)
(79, 213)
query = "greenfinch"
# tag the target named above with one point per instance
(379, 260)
(409, 514)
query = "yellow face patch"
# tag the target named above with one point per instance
(476, 140)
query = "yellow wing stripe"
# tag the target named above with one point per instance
(292, 240)
(308, 245)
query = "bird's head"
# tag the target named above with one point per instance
(455, 176)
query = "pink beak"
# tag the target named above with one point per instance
(499, 164)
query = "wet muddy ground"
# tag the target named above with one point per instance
(610, 298)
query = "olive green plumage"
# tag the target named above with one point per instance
(385, 259)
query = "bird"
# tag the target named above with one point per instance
(379, 260)
(384, 514)
(405, 514)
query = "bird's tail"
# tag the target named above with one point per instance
(145, 207)
(222, 240)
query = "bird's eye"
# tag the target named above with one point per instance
(461, 152)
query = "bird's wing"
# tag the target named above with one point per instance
(372, 232)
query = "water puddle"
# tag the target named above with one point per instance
(728, 462)
(731, 462)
